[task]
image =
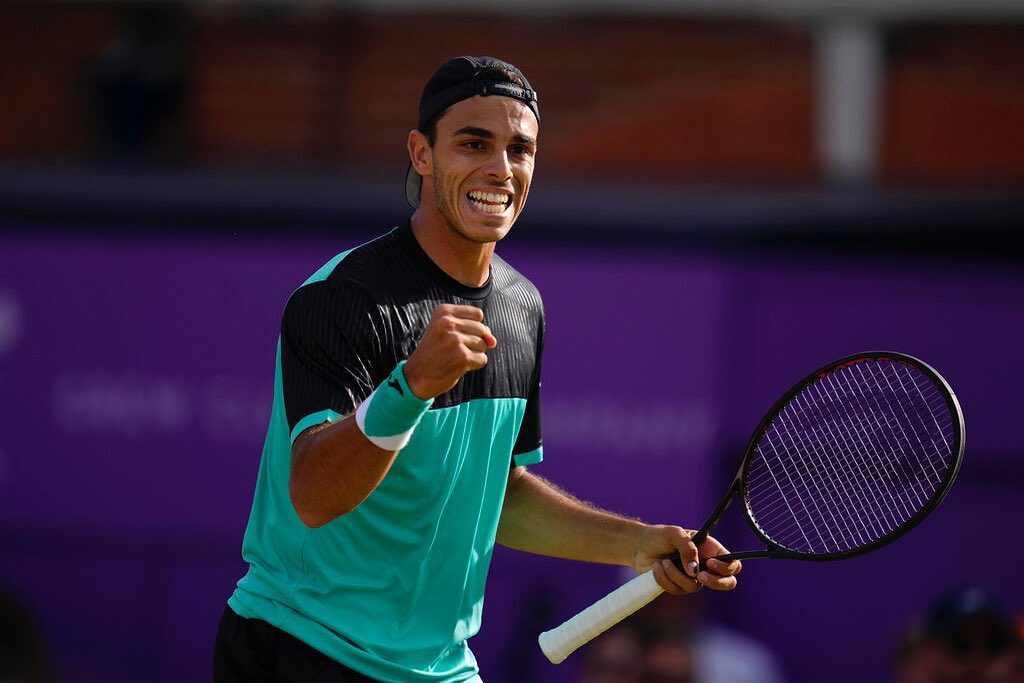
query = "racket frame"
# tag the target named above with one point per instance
(774, 550)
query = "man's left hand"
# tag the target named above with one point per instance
(660, 544)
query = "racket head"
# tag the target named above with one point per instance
(886, 425)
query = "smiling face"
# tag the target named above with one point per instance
(477, 174)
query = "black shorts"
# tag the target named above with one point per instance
(251, 650)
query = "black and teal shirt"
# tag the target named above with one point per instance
(395, 588)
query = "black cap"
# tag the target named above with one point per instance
(459, 79)
(970, 620)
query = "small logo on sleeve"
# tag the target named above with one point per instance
(393, 383)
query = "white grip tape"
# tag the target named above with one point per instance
(562, 641)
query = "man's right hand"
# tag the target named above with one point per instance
(455, 342)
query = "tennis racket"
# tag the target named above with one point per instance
(848, 460)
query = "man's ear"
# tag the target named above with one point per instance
(420, 153)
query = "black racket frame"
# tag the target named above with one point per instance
(774, 550)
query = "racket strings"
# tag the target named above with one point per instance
(851, 458)
(878, 525)
(875, 494)
(880, 467)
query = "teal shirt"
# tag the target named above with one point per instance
(395, 588)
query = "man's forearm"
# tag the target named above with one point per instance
(538, 517)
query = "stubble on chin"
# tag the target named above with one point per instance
(456, 229)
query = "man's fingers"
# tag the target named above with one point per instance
(715, 582)
(467, 320)
(672, 580)
(458, 311)
(711, 549)
(479, 330)
(688, 555)
(474, 343)
(475, 328)
(721, 568)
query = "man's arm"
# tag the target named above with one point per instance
(335, 467)
(538, 517)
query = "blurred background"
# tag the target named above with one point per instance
(728, 195)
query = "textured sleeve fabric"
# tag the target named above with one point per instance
(527, 449)
(329, 352)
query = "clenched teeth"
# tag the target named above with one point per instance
(489, 202)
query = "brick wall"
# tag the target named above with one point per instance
(954, 109)
(673, 99)
(45, 52)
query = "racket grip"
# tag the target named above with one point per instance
(561, 641)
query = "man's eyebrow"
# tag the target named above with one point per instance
(484, 133)
(474, 131)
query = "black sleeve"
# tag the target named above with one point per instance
(529, 438)
(329, 350)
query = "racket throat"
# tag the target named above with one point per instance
(720, 509)
(712, 520)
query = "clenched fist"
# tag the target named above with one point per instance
(455, 341)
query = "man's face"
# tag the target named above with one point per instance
(483, 159)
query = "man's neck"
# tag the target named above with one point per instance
(464, 260)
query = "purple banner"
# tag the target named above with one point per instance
(137, 377)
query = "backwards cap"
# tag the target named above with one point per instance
(459, 79)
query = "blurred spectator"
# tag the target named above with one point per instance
(137, 86)
(670, 657)
(965, 637)
(678, 633)
(23, 652)
(669, 641)
(614, 657)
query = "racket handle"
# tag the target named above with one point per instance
(561, 641)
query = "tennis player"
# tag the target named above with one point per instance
(406, 411)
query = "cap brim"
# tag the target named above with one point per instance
(413, 181)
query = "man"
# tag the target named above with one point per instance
(406, 411)
(966, 636)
